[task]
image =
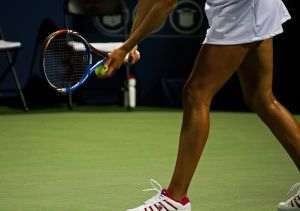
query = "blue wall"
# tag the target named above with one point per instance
(20, 21)
(166, 54)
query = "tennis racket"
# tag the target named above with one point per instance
(67, 60)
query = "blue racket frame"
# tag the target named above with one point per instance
(88, 72)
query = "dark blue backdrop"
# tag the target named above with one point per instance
(167, 55)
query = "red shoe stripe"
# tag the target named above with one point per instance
(185, 200)
(145, 209)
(150, 208)
(169, 203)
(158, 207)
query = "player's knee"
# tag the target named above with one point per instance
(194, 96)
(259, 102)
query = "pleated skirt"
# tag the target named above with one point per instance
(244, 21)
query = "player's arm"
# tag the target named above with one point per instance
(150, 15)
(143, 7)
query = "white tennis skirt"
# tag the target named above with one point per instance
(244, 21)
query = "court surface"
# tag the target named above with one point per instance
(101, 159)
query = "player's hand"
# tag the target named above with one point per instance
(117, 57)
(115, 60)
(134, 56)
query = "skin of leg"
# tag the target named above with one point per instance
(256, 77)
(214, 65)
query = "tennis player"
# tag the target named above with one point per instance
(239, 40)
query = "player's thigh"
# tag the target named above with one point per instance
(214, 65)
(256, 72)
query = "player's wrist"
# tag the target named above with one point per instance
(125, 48)
(129, 45)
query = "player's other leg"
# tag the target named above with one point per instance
(256, 76)
(213, 67)
(215, 64)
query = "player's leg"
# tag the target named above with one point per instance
(256, 76)
(214, 66)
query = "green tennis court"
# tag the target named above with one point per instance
(102, 158)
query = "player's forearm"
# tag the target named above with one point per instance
(143, 8)
(151, 21)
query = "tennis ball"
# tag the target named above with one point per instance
(101, 70)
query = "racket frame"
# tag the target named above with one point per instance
(88, 70)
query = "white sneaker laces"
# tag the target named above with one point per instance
(155, 186)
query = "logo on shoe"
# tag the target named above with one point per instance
(159, 207)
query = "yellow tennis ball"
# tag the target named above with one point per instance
(101, 70)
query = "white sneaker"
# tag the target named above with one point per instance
(293, 202)
(161, 201)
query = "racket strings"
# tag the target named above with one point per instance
(65, 60)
